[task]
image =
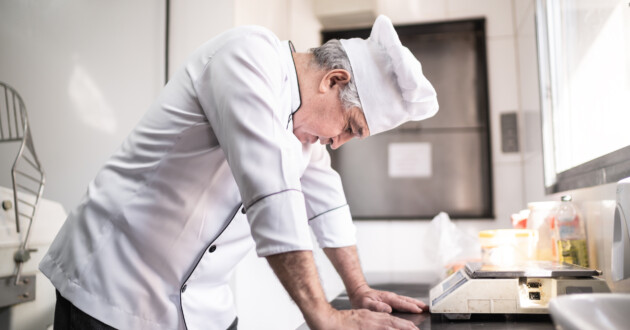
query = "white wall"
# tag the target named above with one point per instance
(87, 71)
(193, 22)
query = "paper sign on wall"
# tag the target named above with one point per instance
(409, 160)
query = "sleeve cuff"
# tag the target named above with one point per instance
(278, 223)
(334, 228)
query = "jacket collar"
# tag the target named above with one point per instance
(296, 100)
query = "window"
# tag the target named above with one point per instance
(584, 59)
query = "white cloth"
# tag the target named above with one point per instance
(389, 79)
(137, 252)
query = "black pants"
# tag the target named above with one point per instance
(68, 317)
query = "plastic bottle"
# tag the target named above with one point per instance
(569, 234)
(540, 215)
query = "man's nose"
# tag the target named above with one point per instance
(340, 140)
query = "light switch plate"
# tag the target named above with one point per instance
(621, 233)
(509, 132)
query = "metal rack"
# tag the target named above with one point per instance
(26, 174)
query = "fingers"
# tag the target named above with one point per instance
(379, 320)
(386, 302)
(421, 305)
(378, 306)
(407, 304)
(398, 323)
(415, 301)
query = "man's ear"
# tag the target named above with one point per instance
(334, 78)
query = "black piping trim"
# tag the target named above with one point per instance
(292, 50)
(167, 32)
(333, 209)
(263, 197)
(181, 307)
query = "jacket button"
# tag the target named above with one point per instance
(212, 248)
(184, 288)
(243, 210)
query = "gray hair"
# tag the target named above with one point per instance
(330, 56)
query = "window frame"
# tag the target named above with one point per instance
(607, 168)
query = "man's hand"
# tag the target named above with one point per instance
(383, 301)
(346, 262)
(296, 271)
(361, 319)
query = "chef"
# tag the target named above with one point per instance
(234, 149)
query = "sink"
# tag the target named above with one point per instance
(591, 311)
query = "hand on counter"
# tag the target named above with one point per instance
(384, 301)
(364, 319)
(296, 271)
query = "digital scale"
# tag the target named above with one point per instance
(524, 288)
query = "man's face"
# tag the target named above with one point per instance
(322, 117)
(328, 123)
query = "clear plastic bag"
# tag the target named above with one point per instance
(449, 247)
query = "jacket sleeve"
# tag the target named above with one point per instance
(240, 91)
(326, 206)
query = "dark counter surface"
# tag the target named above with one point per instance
(427, 321)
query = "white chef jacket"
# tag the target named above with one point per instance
(155, 239)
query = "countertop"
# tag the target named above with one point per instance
(427, 321)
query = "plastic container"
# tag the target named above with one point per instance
(539, 220)
(507, 246)
(569, 235)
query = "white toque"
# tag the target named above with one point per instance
(389, 79)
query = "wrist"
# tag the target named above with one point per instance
(319, 315)
(357, 289)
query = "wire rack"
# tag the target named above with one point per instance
(26, 174)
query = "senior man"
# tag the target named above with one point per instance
(228, 152)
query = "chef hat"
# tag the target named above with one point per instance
(389, 79)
